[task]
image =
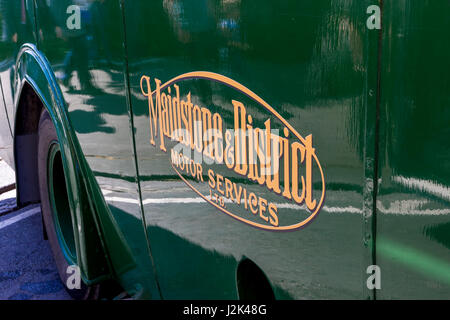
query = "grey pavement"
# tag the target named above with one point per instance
(27, 269)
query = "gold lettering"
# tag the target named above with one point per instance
(252, 202)
(229, 150)
(262, 208)
(212, 181)
(310, 203)
(296, 147)
(273, 219)
(218, 137)
(285, 146)
(240, 138)
(198, 135)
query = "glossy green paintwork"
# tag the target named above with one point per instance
(375, 103)
(308, 60)
(32, 71)
(414, 157)
(90, 69)
(60, 204)
(16, 28)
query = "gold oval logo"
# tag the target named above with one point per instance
(243, 168)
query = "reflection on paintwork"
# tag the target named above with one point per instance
(422, 262)
(314, 77)
(89, 67)
(412, 246)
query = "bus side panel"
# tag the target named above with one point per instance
(308, 61)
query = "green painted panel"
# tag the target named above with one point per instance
(87, 59)
(413, 207)
(16, 28)
(309, 61)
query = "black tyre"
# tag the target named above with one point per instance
(55, 207)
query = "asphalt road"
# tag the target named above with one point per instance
(27, 269)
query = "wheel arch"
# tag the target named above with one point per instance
(36, 89)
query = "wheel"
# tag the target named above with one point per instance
(55, 208)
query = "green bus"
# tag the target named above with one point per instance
(234, 149)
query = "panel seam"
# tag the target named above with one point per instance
(377, 143)
(130, 110)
